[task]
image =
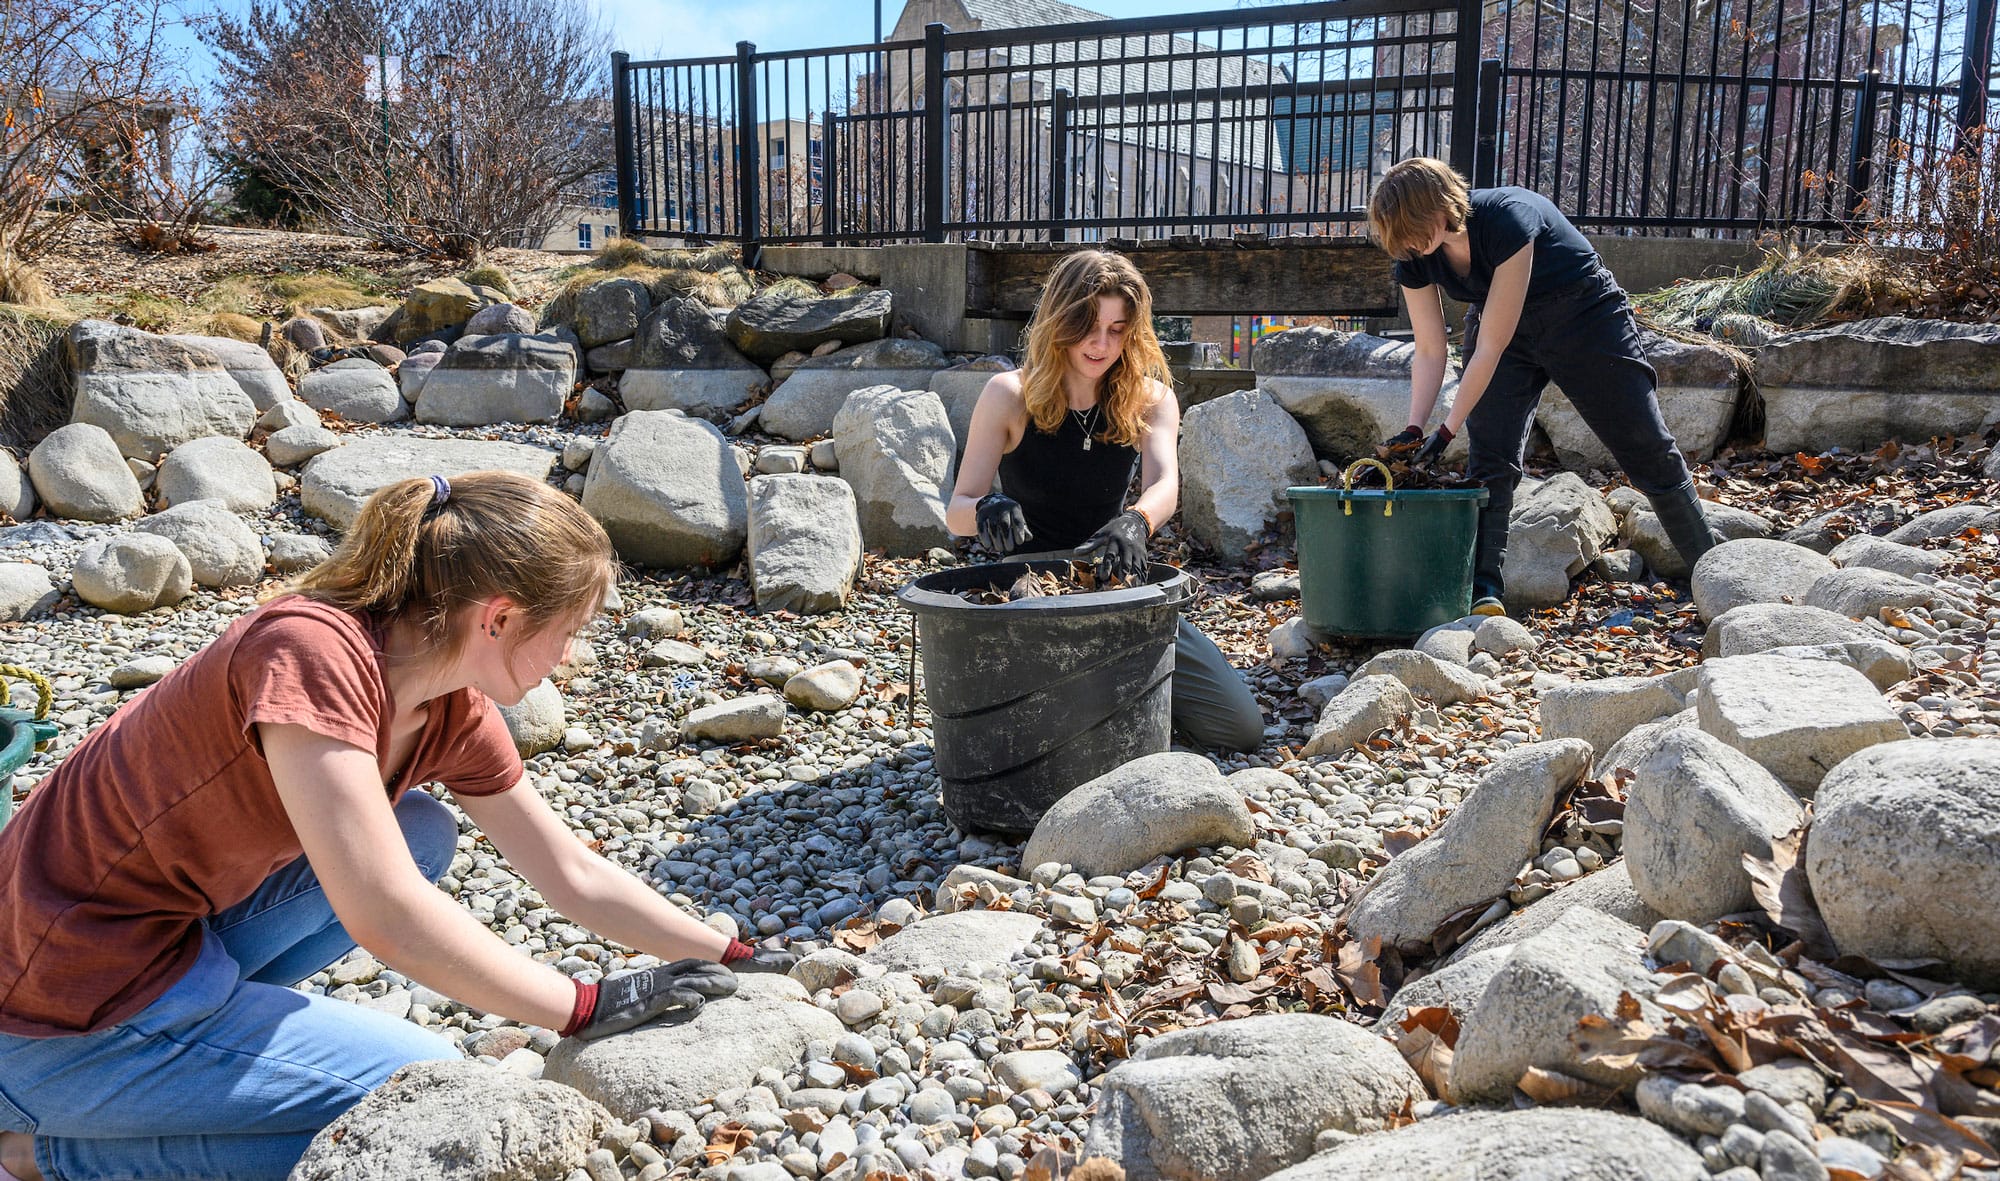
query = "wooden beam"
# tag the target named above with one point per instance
(1211, 276)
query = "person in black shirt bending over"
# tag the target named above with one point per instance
(1543, 308)
(1063, 434)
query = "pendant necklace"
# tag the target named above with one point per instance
(1085, 419)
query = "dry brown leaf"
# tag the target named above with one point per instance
(1153, 888)
(1398, 841)
(1779, 885)
(1359, 971)
(729, 1139)
(1048, 1164)
(1426, 1040)
(1550, 1087)
(1249, 866)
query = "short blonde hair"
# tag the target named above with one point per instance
(1404, 209)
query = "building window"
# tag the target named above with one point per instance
(583, 235)
(610, 232)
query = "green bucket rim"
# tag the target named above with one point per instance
(1316, 492)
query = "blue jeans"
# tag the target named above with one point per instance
(230, 1073)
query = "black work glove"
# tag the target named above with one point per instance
(1119, 549)
(1434, 446)
(777, 961)
(1003, 527)
(1408, 437)
(671, 992)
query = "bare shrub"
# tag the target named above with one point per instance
(501, 106)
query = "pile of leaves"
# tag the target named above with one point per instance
(1079, 578)
(1405, 474)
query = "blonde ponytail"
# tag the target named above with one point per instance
(415, 554)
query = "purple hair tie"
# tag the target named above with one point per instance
(440, 490)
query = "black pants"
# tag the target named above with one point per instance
(1584, 339)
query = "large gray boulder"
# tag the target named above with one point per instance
(79, 473)
(1609, 891)
(1854, 385)
(967, 941)
(215, 468)
(1442, 682)
(1237, 1100)
(25, 590)
(1884, 663)
(682, 360)
(804, 543)
(457, 1121)
(1351, 716)
(221, 550)
(1601, 712)
(668, 491)
(1238, 454)
(1754, 570)
(1640, 530)
(1475, 853)
(959, 388)
(132, 572)
(356, 389)
(1539, 1144)
(1699, 386)
(291, 446)
(807, 401)
(440, 305)
(503, 378)
(334, 485)
(767, 1025)
(248, 365)
(17, 491)
(1556, 530)
(611, 310)
(1797, 718)
(1901, 855)
(1694, 808)
(1154, 805)
(152, 393)
(772, 323)
(1945, 522)
(1879, 553)
(1576, 968)
(501, 319)
(895, 450)
(1348, 390)
(1759, 627)
(1859, 592)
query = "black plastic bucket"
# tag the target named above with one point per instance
(1031, 699)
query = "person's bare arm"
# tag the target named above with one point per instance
(333, 794)
(1427, 367)
(1160, 459)
(996, 422)
(582, 886)
(1498, 318)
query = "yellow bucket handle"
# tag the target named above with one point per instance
(1388, 484)
(45, 693)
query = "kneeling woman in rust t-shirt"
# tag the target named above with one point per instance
(248, 820)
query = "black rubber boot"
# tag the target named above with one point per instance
(1681, 516)
(1489, 554)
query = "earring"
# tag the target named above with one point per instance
(494, 632)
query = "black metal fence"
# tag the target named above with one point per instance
(1649, 116)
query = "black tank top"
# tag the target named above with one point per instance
(1066, 492)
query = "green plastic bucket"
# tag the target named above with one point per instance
(20, 733)
(1375, 562)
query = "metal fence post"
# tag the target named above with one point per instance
(1486, 153)
(749, 152)
(1977, 70)
(935, 117)
(1861, 154)
(1465, 70)
(1059, 164)
(622, 144)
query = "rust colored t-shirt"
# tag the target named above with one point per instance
(167, 813)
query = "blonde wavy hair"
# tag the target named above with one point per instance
(1065, 315)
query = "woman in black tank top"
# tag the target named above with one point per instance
(1064, 433)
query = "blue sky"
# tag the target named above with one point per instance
(702, 28)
